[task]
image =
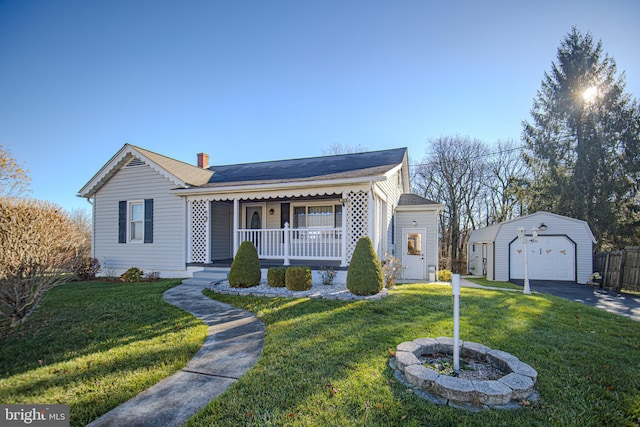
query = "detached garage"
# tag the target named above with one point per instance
(562, 249)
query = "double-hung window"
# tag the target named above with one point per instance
(316, 217)
(135, 221)
(326, 216)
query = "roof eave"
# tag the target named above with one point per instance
(195, 191)
(436, 206)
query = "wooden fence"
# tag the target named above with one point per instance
(620, 270)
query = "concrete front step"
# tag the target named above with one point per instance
(215, 273)
(207, 276)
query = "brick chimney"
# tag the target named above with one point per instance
(203, 160)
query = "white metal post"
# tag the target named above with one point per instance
(522, 235)
(343, 242)
(236, 225)
(455, 291)
(527, 289)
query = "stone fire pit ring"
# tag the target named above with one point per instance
(516, 385)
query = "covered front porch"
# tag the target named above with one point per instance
(319, 230)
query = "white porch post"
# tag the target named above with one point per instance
(236, 225)
(343, 243)
(372, 217)
(287, 235)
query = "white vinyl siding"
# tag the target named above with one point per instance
(392, 188)
(425, 219)
(167, 252)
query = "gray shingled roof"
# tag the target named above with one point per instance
(414, 200)
(187, 173)
(326, 167)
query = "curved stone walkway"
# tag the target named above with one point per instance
(234, 342)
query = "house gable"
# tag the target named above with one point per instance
(180, 174)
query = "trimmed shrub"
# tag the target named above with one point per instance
(132, 275)
(86, 268)
(245, 268)
(276, 277)
(298, 278)
(365, 275)
(444, 275)
(154, 276)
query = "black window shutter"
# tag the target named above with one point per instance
(122, 222)
(148, 220)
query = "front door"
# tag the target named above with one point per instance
(253, 221)
(413, 253)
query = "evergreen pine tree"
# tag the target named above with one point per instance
(582, 146)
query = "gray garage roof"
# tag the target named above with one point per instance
(414, 200)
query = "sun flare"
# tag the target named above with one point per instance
(589, 94)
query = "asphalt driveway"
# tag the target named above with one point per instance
(619, 303)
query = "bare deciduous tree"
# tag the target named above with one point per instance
(505, 170)
(81, 220)
(453, 173)
(14, 178)
(39, 244)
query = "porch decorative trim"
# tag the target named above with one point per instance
(199, 231)
(357, 219)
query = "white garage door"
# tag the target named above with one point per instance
(550, 258)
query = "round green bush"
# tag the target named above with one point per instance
(365, 276)
(444, 275)
(276, 277)
(298, 278)
(245, 268)
(132, 275)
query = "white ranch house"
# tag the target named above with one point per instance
(160, 214)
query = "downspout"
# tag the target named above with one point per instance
(93, 226)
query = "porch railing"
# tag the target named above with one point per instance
(295, 243)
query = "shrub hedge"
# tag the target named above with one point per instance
(276, 276)
(298, 278)
(245, 268)
(444, 275)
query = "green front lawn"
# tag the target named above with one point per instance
(95, 345)
(326, 362)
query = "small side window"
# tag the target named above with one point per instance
(136, 221)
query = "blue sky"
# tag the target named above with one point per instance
(264, 80)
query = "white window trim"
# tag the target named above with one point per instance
(306, 205)
(130, 203)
